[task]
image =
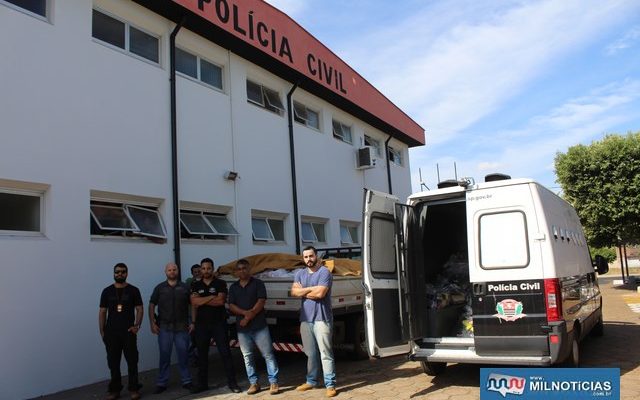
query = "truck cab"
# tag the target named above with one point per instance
(493, 273)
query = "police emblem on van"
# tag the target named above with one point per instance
(510, 310)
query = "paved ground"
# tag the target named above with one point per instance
(396, 378)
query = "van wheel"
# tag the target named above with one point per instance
(573, 360)
(598, 328)
(358, 335)
(433, 368)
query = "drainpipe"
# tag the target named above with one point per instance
(294, 185)
(174, 146)
(386, 153)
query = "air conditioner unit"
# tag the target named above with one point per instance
(365, 157)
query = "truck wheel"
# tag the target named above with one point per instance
(433, 368)
(358, 335)
(598, 328)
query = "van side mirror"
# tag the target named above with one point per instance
(601, 265)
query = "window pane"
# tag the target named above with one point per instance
(112, 218)
(195, 224)
(273, 99)
(354, 234)
(143, 44)
(383, 252)
(19, 212)
(345, 236)
(503, 240)
(148, 221)
(108, 29)
(261, 229)
(221, 224)
(313, 119)
(346, 132)
(210, 74)
(300, 112)
(277, 227)
(35, 6)
(186, 63)
(308, 234)
(319, 230)
(254, 93)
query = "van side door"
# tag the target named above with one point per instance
(380, 276)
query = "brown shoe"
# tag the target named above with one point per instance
(135, 395)
(304, 387)
(274, 389)
(253, 389)
(112, 395)
(331, 392)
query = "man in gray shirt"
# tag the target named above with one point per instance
(172, 325)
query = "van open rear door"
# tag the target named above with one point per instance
(388, 276)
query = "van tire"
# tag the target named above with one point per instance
(358, 336)
(573, 359)
(433, 368)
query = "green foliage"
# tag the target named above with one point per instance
(609, 253)
(602, 182)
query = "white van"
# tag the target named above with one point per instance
(493, 273)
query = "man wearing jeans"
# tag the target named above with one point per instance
(171, 325)
(313, 285)
(246, 300)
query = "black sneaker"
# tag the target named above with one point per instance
(159, 389)
(235, 388)
(187, 386)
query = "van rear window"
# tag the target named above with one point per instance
(382, 247)
(503, 240)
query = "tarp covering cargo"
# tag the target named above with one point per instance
(273, 261)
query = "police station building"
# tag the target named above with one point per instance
(147, 131)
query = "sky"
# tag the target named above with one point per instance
(498, 86)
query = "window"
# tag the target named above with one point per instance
(349, 234)
(20, 212)
(204, 225)
(313, 232)
(383, 253)
(124, 36)
(369, 141)
(122, 219)
(503, 240)
(198, 68)
(38, 7)
(264, 97)
(341, 131)
(306, 116)
(267, 229)
(395, 156)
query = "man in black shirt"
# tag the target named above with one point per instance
(172, 326)
(208, 296)
(246, 300)
(119, 320)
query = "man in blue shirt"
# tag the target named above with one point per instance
(246, 300)
(313, 285)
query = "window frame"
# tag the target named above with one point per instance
(121, 202)
(16, 7)
(215, 234)
(271, 238)
(304, 120)
(127, 38)
(140, 231)
(397, 158)
(266, 102)
(340, 136)
(348, 227)
(315, 225)
(40, 194)
(198, 77)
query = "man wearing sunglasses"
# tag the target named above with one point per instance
(119, 320)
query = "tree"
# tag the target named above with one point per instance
(602, 182)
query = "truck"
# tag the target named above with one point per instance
(282, 309)
(497, 272)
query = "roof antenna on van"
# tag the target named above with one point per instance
(455, 170)
(438, 171)
(422, 184)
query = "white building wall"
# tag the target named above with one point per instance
(78, 115)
